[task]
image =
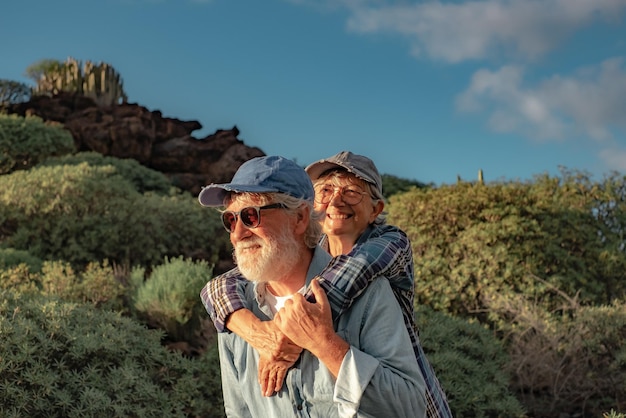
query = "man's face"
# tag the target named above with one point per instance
(347, 204)
(263, 253)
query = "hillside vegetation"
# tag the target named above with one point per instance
(542, 265)
(520, 288)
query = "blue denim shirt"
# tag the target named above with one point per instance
(379, 376)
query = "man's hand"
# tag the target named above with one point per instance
(310, 326)
(272, 344)
(276, 352)
(272, 375)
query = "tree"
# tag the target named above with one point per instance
(394, 185)
(13, 92)
(46, 73)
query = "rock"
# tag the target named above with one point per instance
(129, 130)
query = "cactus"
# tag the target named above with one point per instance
(100, 82)
(103, 84)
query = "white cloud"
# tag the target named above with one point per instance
(614, 158)
(591, 102)
(457, 31)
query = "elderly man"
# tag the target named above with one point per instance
(360, 364)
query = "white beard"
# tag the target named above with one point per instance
(275, 259)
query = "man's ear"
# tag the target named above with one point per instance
(303, 216)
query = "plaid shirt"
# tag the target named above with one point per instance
(382, 250)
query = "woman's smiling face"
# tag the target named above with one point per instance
(347, 203)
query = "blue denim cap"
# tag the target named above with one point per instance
(262, 175)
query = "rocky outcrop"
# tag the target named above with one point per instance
(129, 130)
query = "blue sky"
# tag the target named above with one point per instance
(430, 90)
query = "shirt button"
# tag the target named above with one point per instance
(299, 407)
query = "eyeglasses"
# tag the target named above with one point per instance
(250, 216)
(349, 194)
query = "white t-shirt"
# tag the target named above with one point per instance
(276, 303)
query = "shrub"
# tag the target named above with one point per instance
(472, 240)
(470, 364)
(20, 279)
(81, 214)
(64, 359)
(571, 363)
(169, 299)
(475, 244)
(142, 178)
(24, 142)
(97, 284)
(10, 257)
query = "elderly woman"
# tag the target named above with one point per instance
(348, 190)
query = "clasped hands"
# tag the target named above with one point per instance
(298, 325)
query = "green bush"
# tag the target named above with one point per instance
(169, 298)
(24, 142)
(481, 249)
(64, 359)
(82, 214)
(20, 279)
(471, 365)
(10, 257)
(142, 178)
(471, 241)
(97, 284)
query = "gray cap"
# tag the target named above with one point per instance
(262, 175)
(359, 165)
